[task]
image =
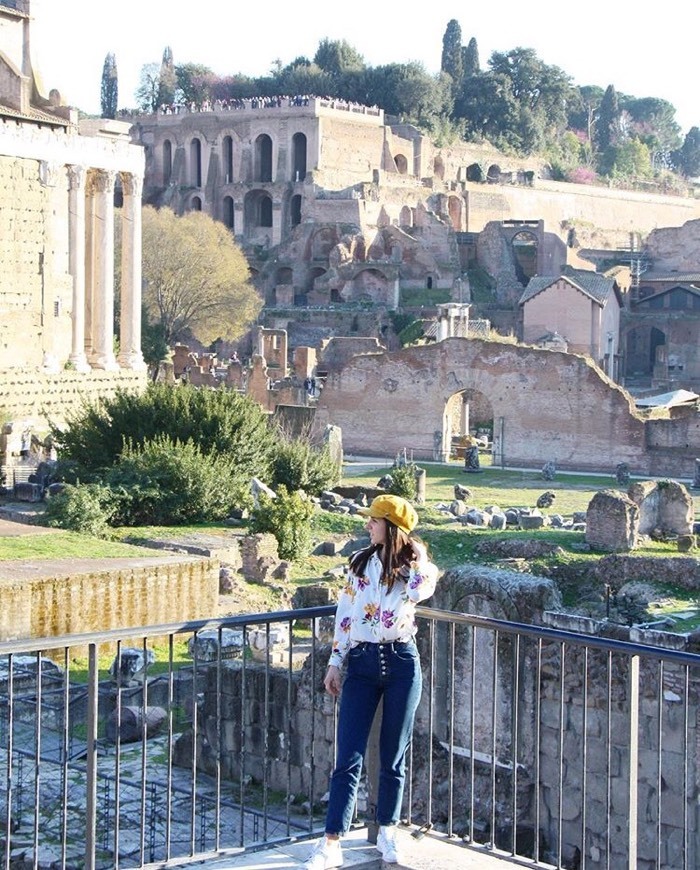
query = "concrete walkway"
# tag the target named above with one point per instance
(432, 852)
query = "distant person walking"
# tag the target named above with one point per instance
(374, 634)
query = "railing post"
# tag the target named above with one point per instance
(372, 775)
(91, 760)
(634, 760)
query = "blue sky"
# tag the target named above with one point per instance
(643, 50)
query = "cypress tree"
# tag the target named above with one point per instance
(608, 114)
(167, 83)
(109, 90)
(470, 59)
(451, 61)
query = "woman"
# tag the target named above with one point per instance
(374, 631)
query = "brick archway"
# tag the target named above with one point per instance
(547, 405)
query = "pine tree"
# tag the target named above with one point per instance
(451, 61)
(167, 84)
(109, 90)
(470, 59)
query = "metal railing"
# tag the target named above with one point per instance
(145, 746)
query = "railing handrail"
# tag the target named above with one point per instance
(572, 637)
(241, 620)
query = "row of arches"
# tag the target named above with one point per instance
(257, 209)
(262, 163)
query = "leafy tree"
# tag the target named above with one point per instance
(608, 117)
(582, 110)
(542, 92)
(196, 277)
(488, 107)
(627, 160)
(218, 422)
(422, 97)
(299, 464)
(451, 60)
(303, 78)
(654, 121)
(194, 83)
(687, 158)
(167, 83)
(109, 89)
(336, 56)
(147, 90)
(470, 59)
(287, 518)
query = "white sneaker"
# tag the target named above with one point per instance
(387, 845)
(326, 854)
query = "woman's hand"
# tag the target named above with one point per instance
(332, 681)
(420, 554)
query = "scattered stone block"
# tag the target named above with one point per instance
(612, 522)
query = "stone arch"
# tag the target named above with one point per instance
(257, 210)
(228, 212)
(283, 275)
(227, 157)
(299, 146)
(467, 412)
(439, 168)
(454, 209)
(493, 175)
(323, 241)
(524, 248)
(196, 162)
(314, 275)
(371, 286)
(475, 172)
(295, 210)
(401, 164)
(641, 344)
(581, 420)
(167, 161)
(406, 217)
(263, 158)
(196, 203)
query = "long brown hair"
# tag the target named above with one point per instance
(396, 554)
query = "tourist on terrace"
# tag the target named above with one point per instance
(374, 634)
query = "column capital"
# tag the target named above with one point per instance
(132, 185)
(77, 176)
(103, 180)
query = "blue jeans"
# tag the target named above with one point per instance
(391, 670)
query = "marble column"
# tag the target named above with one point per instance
(77, 177)
(103, 263)
(130, 355)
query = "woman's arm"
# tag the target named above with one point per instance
(422, 575)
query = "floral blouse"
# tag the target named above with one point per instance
(368, 612)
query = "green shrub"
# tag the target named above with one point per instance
(220, 422)
(403, 480)
(297, 464)
(86, 508)
(288, 518)
(166, 482)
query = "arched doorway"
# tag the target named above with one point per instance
(298, 157)
(475, 172)
(228, 159)
(468, 412)
(401, 164)
(228, 212)
(524, 246)
(167, 161)
(295, 210)
(196, 163)
(195, 204)
(263, 158)
(493, 176)
(641, 345)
